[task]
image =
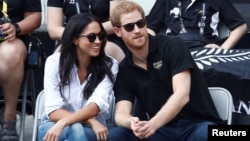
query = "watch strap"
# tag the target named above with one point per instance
(18, 29)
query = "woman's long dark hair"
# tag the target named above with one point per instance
(99, 65)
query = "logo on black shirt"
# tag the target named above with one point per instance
(158, 65)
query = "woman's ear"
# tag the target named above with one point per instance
(75, 41)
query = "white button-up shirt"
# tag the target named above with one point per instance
(73, 92)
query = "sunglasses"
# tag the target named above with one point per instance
(92, 36)
(131, 26)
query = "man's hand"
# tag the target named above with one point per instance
(9, 31)
(136, 124)
(212, 46)
(142, 129)
(147, 129)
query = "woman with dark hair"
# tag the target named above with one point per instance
(77, 83)
(60, 11)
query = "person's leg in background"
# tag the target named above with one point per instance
(12, 62)
(115, 47)
(115, 51)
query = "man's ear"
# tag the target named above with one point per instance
(117, 31)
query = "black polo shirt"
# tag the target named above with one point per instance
(167, 57)
(99, 8)
(16, 8)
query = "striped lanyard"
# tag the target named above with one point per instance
(78, 7)
(4, 9)
(201, 23)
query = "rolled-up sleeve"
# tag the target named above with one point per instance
(103, 91)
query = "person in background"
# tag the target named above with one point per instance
(160, 72)
(15, 25)
(197, 22)
(59, 12)
(78, 81)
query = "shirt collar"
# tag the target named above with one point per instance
(152, 48)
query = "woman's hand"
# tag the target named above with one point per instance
(55, 131)
(100, 130)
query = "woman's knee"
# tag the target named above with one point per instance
(76, 128)
(76, 132)
(43, 128)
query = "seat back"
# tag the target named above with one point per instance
(223, 102)
(110, 115)
(223, 31)
(39, 109)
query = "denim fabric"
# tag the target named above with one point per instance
(74, 132)
(183, 130)
(90, 133)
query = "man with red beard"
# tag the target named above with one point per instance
(160, 72)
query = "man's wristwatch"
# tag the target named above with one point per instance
(18, 29)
